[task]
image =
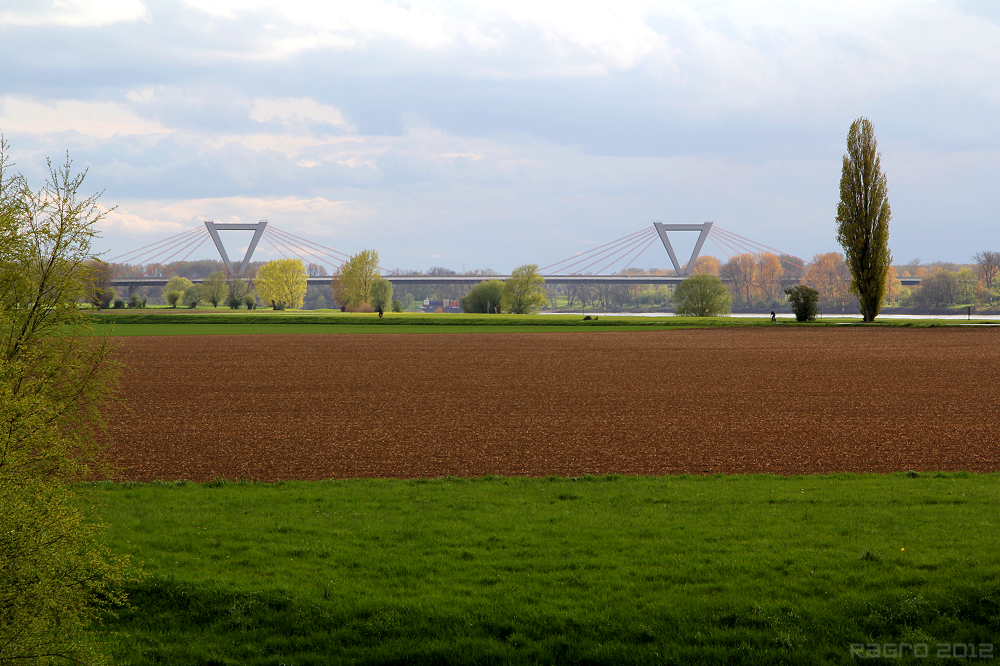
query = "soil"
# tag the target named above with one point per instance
(779, 399)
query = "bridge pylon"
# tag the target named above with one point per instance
(214, 228)
(662, 230)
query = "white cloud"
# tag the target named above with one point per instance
(73, 13)
(295, 111)
(97, 119)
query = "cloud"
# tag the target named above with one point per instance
(20, 115)
(71, 13)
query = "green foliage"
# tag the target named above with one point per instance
(484, 297)
(214, 289)
(55, 579)
(172, 298)
(282, 281)
(356, 278)
(397, 306)
(702, 295)
(119, 304)
(135, 301)
(381, 294)
(250, 301)
(863, 216)
(600, 570)
(804, 301)
(234, 302)
(524, 290)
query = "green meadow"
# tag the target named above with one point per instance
(593, 570)
(218, 321)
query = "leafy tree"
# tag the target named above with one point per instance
(828, 274)
(99, 283)
(238, 288)
(250, 300)
(55, 578)
(214, 289)
(702, 295)
(892, 285)
(172, 298)
(706, 263)
(740, 270)
(282, 281)
(524, 290)
(397, 306)
(233, 302)
(988, 267)
(192, 296)
(356, 278)
(381, 294)
(485, 297)
(940, 288)
(175, 289)
(863, 216)
(804, 301)
(767, 277)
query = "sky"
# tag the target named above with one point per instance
(497, 133)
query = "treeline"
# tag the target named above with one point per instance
(755, 281)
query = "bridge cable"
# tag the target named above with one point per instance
(150, 254)
(312, 252)
(179, 246)
(629, 246)
(196, 244)
(623, 254)
(159, 242)
(595, 249)
(602, 253)
(633, 258)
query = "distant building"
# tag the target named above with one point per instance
(440, 306)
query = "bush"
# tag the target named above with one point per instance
(135, 302)
(381, 294)
(484, 297)
(250, 301)
(172, 297)
(804, 301)
(702, 295)
(397, 306)
(119, 304)
(277, 305)
(234, 302)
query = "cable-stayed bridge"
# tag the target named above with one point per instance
(604, 264)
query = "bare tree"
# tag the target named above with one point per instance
(988, 267)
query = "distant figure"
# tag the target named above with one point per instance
(380, 313)
(773, 318)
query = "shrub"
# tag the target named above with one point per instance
(172, 297)
(135, 302)
(397, 306)
(484, 297)
(234, 302)
(277, 305)
(250, 300)
(702, 295)
(804, 301)
(119, 304)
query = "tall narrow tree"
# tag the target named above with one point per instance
(863, 216)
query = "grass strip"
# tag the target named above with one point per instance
(597, 570)
(214, 322)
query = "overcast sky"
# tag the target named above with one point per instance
(491, 134)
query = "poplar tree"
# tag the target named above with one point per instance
(863, 216)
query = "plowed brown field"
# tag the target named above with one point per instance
(779, 400)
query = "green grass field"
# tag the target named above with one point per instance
(168, 321)
(616, 570)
